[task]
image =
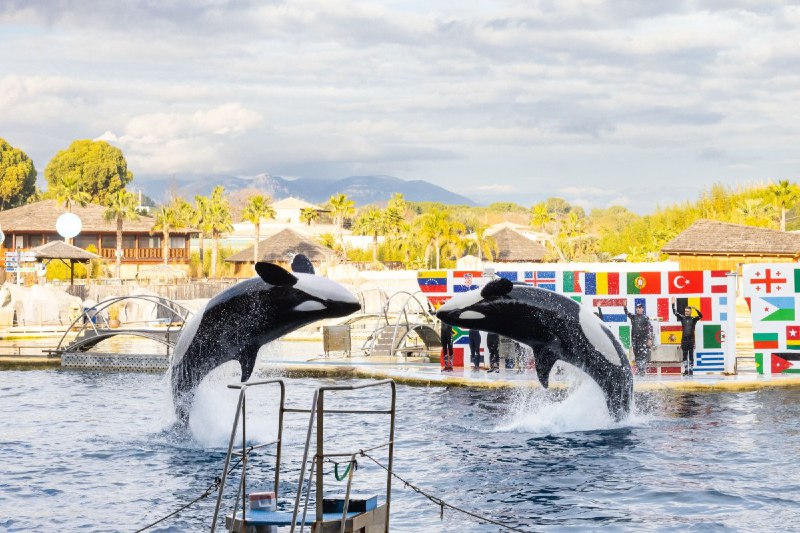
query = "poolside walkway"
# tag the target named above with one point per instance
(415, 372)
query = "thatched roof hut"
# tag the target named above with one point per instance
(282, 247)
(712, 245)
(63, 251)
(515, 248)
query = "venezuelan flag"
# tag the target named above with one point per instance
(432, 280)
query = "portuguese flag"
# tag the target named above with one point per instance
(572, 282)
(765, 341)
(644, 282)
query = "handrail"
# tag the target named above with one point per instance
(317, 412)
(172, 306)
(241, 410)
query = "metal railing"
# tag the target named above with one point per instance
(241, 413)
(317, 413)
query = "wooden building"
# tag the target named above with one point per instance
(34, 224)
(710, 245)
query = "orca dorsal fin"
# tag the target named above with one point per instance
(497, 287)
(545, 359)
(302, 264)
(275, 275)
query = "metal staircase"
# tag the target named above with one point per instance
(408, 332)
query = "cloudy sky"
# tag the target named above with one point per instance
(625, 102)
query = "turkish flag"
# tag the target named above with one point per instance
(685, 282)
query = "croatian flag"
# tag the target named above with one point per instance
(465, 281)
(545, 279)
(613, 309)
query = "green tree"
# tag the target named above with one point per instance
(177, 215)
(99, 168)
(121, 207)
(371, 222)
(17, 176)
(68, 190)
(309, 215)
(341, 208)
(439, 232)
(257, 207)
(217, 222)
(484, 245)
(199, 221)
(784, 195)
(541, 216)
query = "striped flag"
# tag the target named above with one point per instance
(671, 334)
(601, 282)
(709, 362)
(432, 280)
(571, 282)
(545, 279)
(704, 304)
(765, 341)
(612, 309)
(793, 337)
(773, 309)
(644, 282)
(722, 308)
(778, 362)
(465, 280)
(719, 282)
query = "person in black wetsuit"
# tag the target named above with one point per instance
(447, 346)
(493, 343)
(688, 323)
(475, 348)
(641, 338)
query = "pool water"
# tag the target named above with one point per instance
(92, 451)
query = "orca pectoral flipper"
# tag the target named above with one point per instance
(545, 357)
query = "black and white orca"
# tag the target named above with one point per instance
(238, 321)
(555, 327)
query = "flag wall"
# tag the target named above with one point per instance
(612, 291)
(772, 291)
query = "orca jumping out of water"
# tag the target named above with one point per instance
(238, 321)
(555, 327)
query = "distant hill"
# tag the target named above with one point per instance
(362, 190)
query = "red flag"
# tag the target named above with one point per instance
(779, 364)
(663, 309)
(719, 282)
(685, 282)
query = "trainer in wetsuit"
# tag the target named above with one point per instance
(493, 343)
(688, 323)
(641, 337)
(447, 346)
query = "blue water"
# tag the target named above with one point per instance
(86, 451)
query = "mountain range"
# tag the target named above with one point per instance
(363, 190)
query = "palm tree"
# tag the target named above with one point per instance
(341, 208)
(308, 215)
(784, 194)
(258, 206)
(371, 222)
(438, 231)
(199, 222)
(121, 207)
(486, 246)
(163, 222)
(68, 189)
(177, 215)
(218, 221)
(541, 216)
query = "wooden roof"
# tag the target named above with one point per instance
(62, 250)
(282, 246)
(41, 217)
(513, 247)
(707, 237)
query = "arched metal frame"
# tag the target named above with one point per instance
(88, 316)
(402, 320)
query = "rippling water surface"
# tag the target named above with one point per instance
(88, 451)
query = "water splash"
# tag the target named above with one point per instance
(575, 403)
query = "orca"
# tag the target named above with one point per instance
(239, 320)
(555, 327)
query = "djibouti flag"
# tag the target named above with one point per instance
(776, 309)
